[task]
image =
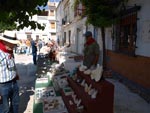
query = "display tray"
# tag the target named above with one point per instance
(54, 105)
(40, 85)
(42, 80)
(43, 93)
(67, 91)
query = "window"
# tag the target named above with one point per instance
(79, 10)
(128, 25)
(37, 37)
(51, 12)
(53, 34)
(69, 36)
(43, 13)
(28, 36)
(52, 25)
(64, 39)
(126, 31)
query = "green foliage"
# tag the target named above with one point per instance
(4, 26)
(21, 11)
(101, 13)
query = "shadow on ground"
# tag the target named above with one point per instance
(26, 84)
(25, 96)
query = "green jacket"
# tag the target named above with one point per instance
(90, 51)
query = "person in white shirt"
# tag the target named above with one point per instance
(9, 90)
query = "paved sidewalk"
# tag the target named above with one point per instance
(125, 101)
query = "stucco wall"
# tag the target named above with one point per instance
(136, 69)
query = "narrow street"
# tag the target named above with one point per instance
(26, 71)
(94, 56)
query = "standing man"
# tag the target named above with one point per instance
(91, 51)
(9, 90)
(34, 50)
(28, 44)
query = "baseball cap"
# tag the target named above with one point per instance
(88, 33)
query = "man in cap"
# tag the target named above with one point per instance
(9, 90)
(91, 51)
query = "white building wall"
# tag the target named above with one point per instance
(51, 18)
(41, 20)
(77, 27)
(71, 10)
(59, 25)
(73, 39)
(21, 36)
(79, 40)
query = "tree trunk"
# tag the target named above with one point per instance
(104, 49)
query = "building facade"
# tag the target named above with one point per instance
(52, 5)
(128, 43)
(71, 26)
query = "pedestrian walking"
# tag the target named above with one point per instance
(9, 90)
(34, 50)
(91, 51)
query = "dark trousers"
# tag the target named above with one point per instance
(10, 97)
(34, 57)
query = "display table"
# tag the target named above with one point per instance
(42, 88)
(73, 94)
(103, 102)
(50, 105)
(38, 107)
(46, 98)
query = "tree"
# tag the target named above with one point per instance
(101, 13)
(21, 11)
